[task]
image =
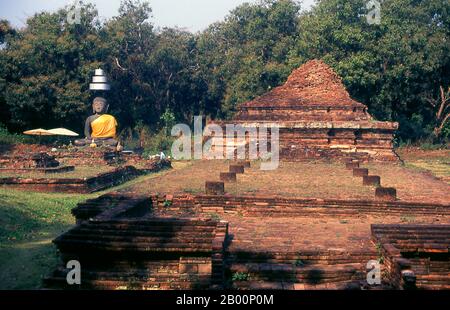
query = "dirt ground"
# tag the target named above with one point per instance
(435, 162)
(301, 180)
(294, 234)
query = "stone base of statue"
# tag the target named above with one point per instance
(97, 142)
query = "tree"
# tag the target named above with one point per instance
(441, 105)
(5, 30)
(247, 54)
(47, 70)
(392, 66)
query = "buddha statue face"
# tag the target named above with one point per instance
(100, 106)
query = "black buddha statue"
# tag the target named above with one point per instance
(100, 128)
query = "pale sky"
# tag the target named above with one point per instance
(193, 15)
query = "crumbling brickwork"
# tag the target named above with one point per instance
(124, 247)
(416, 256)
(317, 118)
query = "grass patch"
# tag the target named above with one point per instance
(28, 224)
(240, 276)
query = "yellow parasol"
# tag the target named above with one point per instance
(63, 132)
(38, 132)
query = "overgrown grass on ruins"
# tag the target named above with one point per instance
(28, 224)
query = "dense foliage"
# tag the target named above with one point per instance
(163, 76)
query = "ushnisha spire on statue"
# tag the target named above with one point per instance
(99, 81)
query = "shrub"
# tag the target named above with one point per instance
(240, 276)
(11, 138)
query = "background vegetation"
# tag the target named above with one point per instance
(164, 76)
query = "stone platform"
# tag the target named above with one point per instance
(73, 186)
(305, 249)
(272, 241)
(84, 171)
(316, 118)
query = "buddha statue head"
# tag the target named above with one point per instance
(100, 106)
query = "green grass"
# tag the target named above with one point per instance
(28, 224)
(240, 276)
(11, 138)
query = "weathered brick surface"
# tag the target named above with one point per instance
(125, 247)
(270, 206)
(238, 169)
(417, 256)
(315, 113)
(82, 185)
(245, 163)
(276, 242)
(352, 165)
(386, 193)
(228, 177)
(371, 180)
(214, 188)
(87, 185)
(360, 172)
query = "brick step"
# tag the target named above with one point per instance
(150, 227)
(125, 266)
(421, 247)
(135, 246)
(308, 261)
(88, 233)
(321, 211)
(306, 257)
(313, 274)
(443, 265)
(173, 284)
(140, 239)
(412, 234)
(141, 233)
(314, 203)
(409, 227)
(330, 212)
(423, 238)
(401, 232)
(138, 275)
(433, 287)
(434, 277)
(162, 222)
(424, 269)
(268, 285)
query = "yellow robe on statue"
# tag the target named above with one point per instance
(104, 127)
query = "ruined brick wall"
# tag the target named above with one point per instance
(415, 256)
(276, 206)
(315, 114)
(121, 248)
(74, 186)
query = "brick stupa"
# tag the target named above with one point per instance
(318, 119)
